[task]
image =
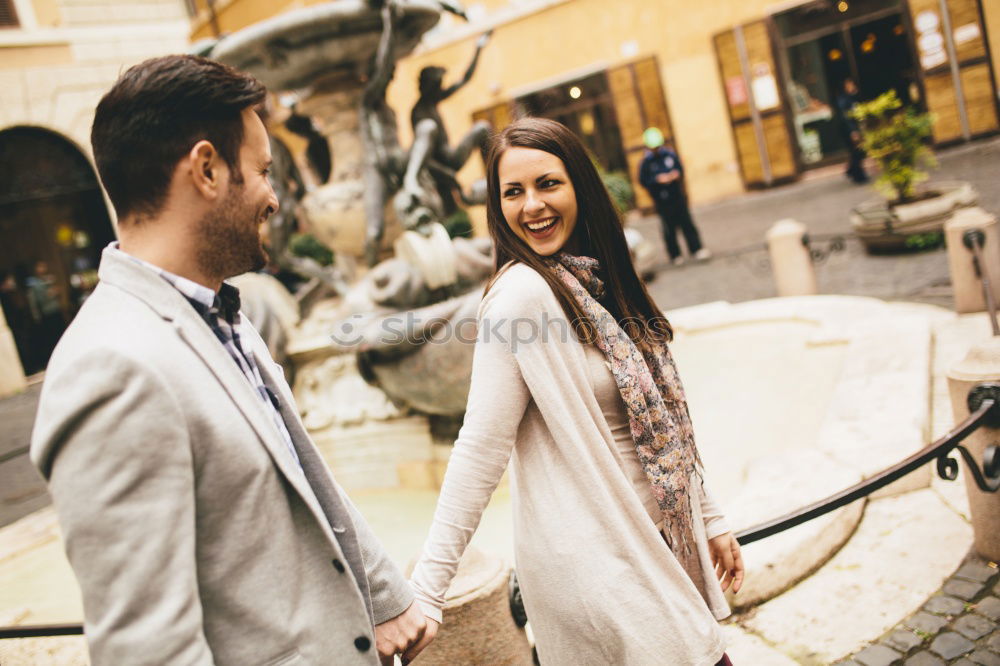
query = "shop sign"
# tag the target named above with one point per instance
(736, 90)
(765, 88)
(966, 33)
(930, 43)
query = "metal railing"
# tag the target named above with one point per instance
(974, 240)
(984, 408)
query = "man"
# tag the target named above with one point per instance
(201, 523)
(662, 174)
(846, 100)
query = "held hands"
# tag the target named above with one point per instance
(429, 634)
(406, 635)
(727, 560)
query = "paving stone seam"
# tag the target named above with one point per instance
(958, 625)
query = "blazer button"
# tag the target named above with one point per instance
(362, 643)
(338, 565)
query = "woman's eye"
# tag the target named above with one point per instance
(549, 183)
(513, 191)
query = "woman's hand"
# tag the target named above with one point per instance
(727, 561)
(429, 634)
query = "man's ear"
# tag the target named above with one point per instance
(207, 169)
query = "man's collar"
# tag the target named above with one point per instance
(226, 302)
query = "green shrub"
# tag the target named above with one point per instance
(895, 137)
(926, 241)
(458, 224)
(307, 245)
(620, 189)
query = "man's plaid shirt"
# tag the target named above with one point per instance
(222, 314)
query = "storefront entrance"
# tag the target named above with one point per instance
(823, 44)
(585, 106)
(608, 109)
(53, 226)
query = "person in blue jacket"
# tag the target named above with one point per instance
(662, 174)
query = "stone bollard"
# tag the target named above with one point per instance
(791, 263)
(982, 364)
(11, 372)
(478, 627)
(966, 285)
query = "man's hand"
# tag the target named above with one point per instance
(429, 634)
(727, 560)
(403, 635)
(668, 177)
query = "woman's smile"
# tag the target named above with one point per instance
(537, 199)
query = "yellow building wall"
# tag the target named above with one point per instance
(991, 16)
(46, 13)
(231, 15)
(581, 34)
(19, 57)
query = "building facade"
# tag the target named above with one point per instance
(747, 91)
(57, 57)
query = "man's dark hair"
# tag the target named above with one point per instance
(155, 113)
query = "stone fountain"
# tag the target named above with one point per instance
(381, 205)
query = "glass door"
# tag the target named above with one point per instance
(884, 60)
(817, 71)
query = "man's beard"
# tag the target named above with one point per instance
(229, 242)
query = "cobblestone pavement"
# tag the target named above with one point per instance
(958, 625)
(22, 490)
(734, 230)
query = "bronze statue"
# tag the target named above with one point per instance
(420, 180)
(446, 160)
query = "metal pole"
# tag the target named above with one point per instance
(956, 75)
(974, 239)
(758, 126)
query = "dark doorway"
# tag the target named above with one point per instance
(586, 107)
(53, 226)
(883, 59)
(823, 43)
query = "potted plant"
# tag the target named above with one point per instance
(909, 217)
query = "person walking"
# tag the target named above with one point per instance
(622, 555)
(200, 520)
(46, 312)
(846, 100)
(662, 174)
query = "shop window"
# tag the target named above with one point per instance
(820, 14)
(8, 15)
(585, 106)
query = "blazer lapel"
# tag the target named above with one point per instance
(119, 270)
(319, 478)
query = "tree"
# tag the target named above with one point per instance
(896, 138)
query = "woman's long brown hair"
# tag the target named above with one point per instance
(599, 233)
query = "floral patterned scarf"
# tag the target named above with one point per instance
(654, 399)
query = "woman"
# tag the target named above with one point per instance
(618, 545)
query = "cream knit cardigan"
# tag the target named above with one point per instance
(599, 583)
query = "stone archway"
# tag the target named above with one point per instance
(51, 211)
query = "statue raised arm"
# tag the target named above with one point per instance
(447, 159)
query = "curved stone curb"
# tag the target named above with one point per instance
(877, 414)
(778, 562)
(958, 625)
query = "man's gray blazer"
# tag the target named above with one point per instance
(195, 537)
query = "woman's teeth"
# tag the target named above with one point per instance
(543, 225)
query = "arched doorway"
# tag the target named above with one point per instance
(53, 225)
